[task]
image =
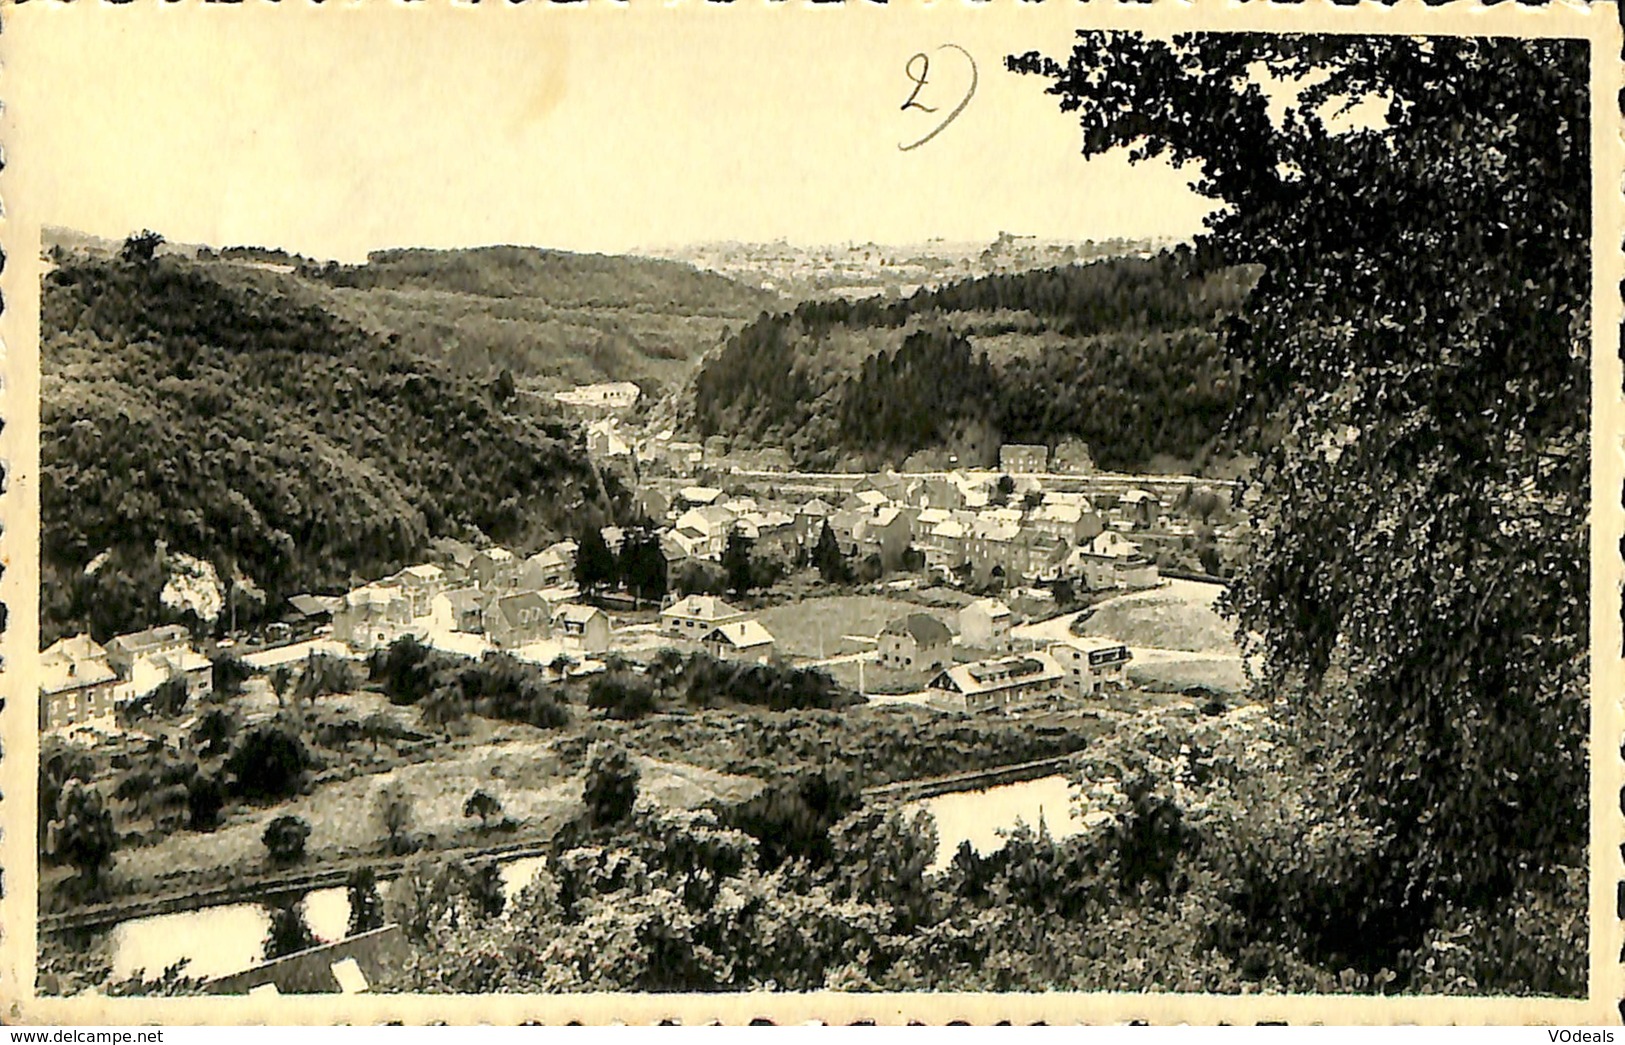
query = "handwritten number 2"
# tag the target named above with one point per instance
(924, 62)
(919, 81)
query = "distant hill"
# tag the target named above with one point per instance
(1121, 354)
(551, 318)
(227, 413)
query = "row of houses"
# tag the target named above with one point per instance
(513, 602)
(83, 682)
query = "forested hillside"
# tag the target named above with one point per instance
(1121, 353)
(552, 318)
(200, 410)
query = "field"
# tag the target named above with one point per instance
(1177, 616)
(813, 627)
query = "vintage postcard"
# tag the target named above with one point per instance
(929, 511)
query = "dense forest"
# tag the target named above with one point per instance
(1121, 353)
(198, 415)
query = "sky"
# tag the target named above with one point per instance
(339, 130)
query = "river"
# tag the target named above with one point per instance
(977, 817)
(229, 938)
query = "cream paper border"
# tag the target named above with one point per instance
(19, 510)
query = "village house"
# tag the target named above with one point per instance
(1067, 522)
(1140, 508)
(917, 641)
(985, 625)
(516, 620)
(678, 553)
(420, 585)
(1003, 684)
(698, 496)
(495, 569)
(461, 609)
(372, 616)
(1023, 458)
(1090, 664)
(552, 567)
(604, 439)
(706, 529)
(308, 614)
(941, 492)
(888, 531)
(740, 640)
(76, 683)
(809, 520)
(605, 397)
(944, 547)
(584, 628)
(1072, 457)
(1112, 561)
(864, 501)
(694, 616)
(651, 504)
(124, 650)
(145, 660)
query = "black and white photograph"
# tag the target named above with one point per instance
(1079, 509)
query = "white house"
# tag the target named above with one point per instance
(1002, 684)
(985, 624)
(693, 616)
(740, 640)
(1091, 664)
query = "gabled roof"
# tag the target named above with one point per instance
(314, 605)
(702, 607)
(576, 613)
(990, 676)
(740, 634)
(816, 506)
(73, 662)
(925, 629)
(510, 607)
(424, 572)
(991, 607)
(136, 642)
(465, 599)
(498, 554)
(699, 494)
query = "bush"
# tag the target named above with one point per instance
(611, 788)
(623, 695)
(394, 815)
(284, 839)
(268, 763)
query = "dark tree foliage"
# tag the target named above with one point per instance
(240, 420)
(1419, 344)
(483, 805)
(833, 566)
(227, 673)
(791, 819)
(268, 763)
(366, 906)
(284, 839)
(205, 798)
(213, 732)
(622, 694)
(611, 788)
(289, 933)
(737, 563)
(140, 247)
(1120, 353)
(596, 568)
(642, 565)
(81, 832)
(497, 685)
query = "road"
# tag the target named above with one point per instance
(1059, 629)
